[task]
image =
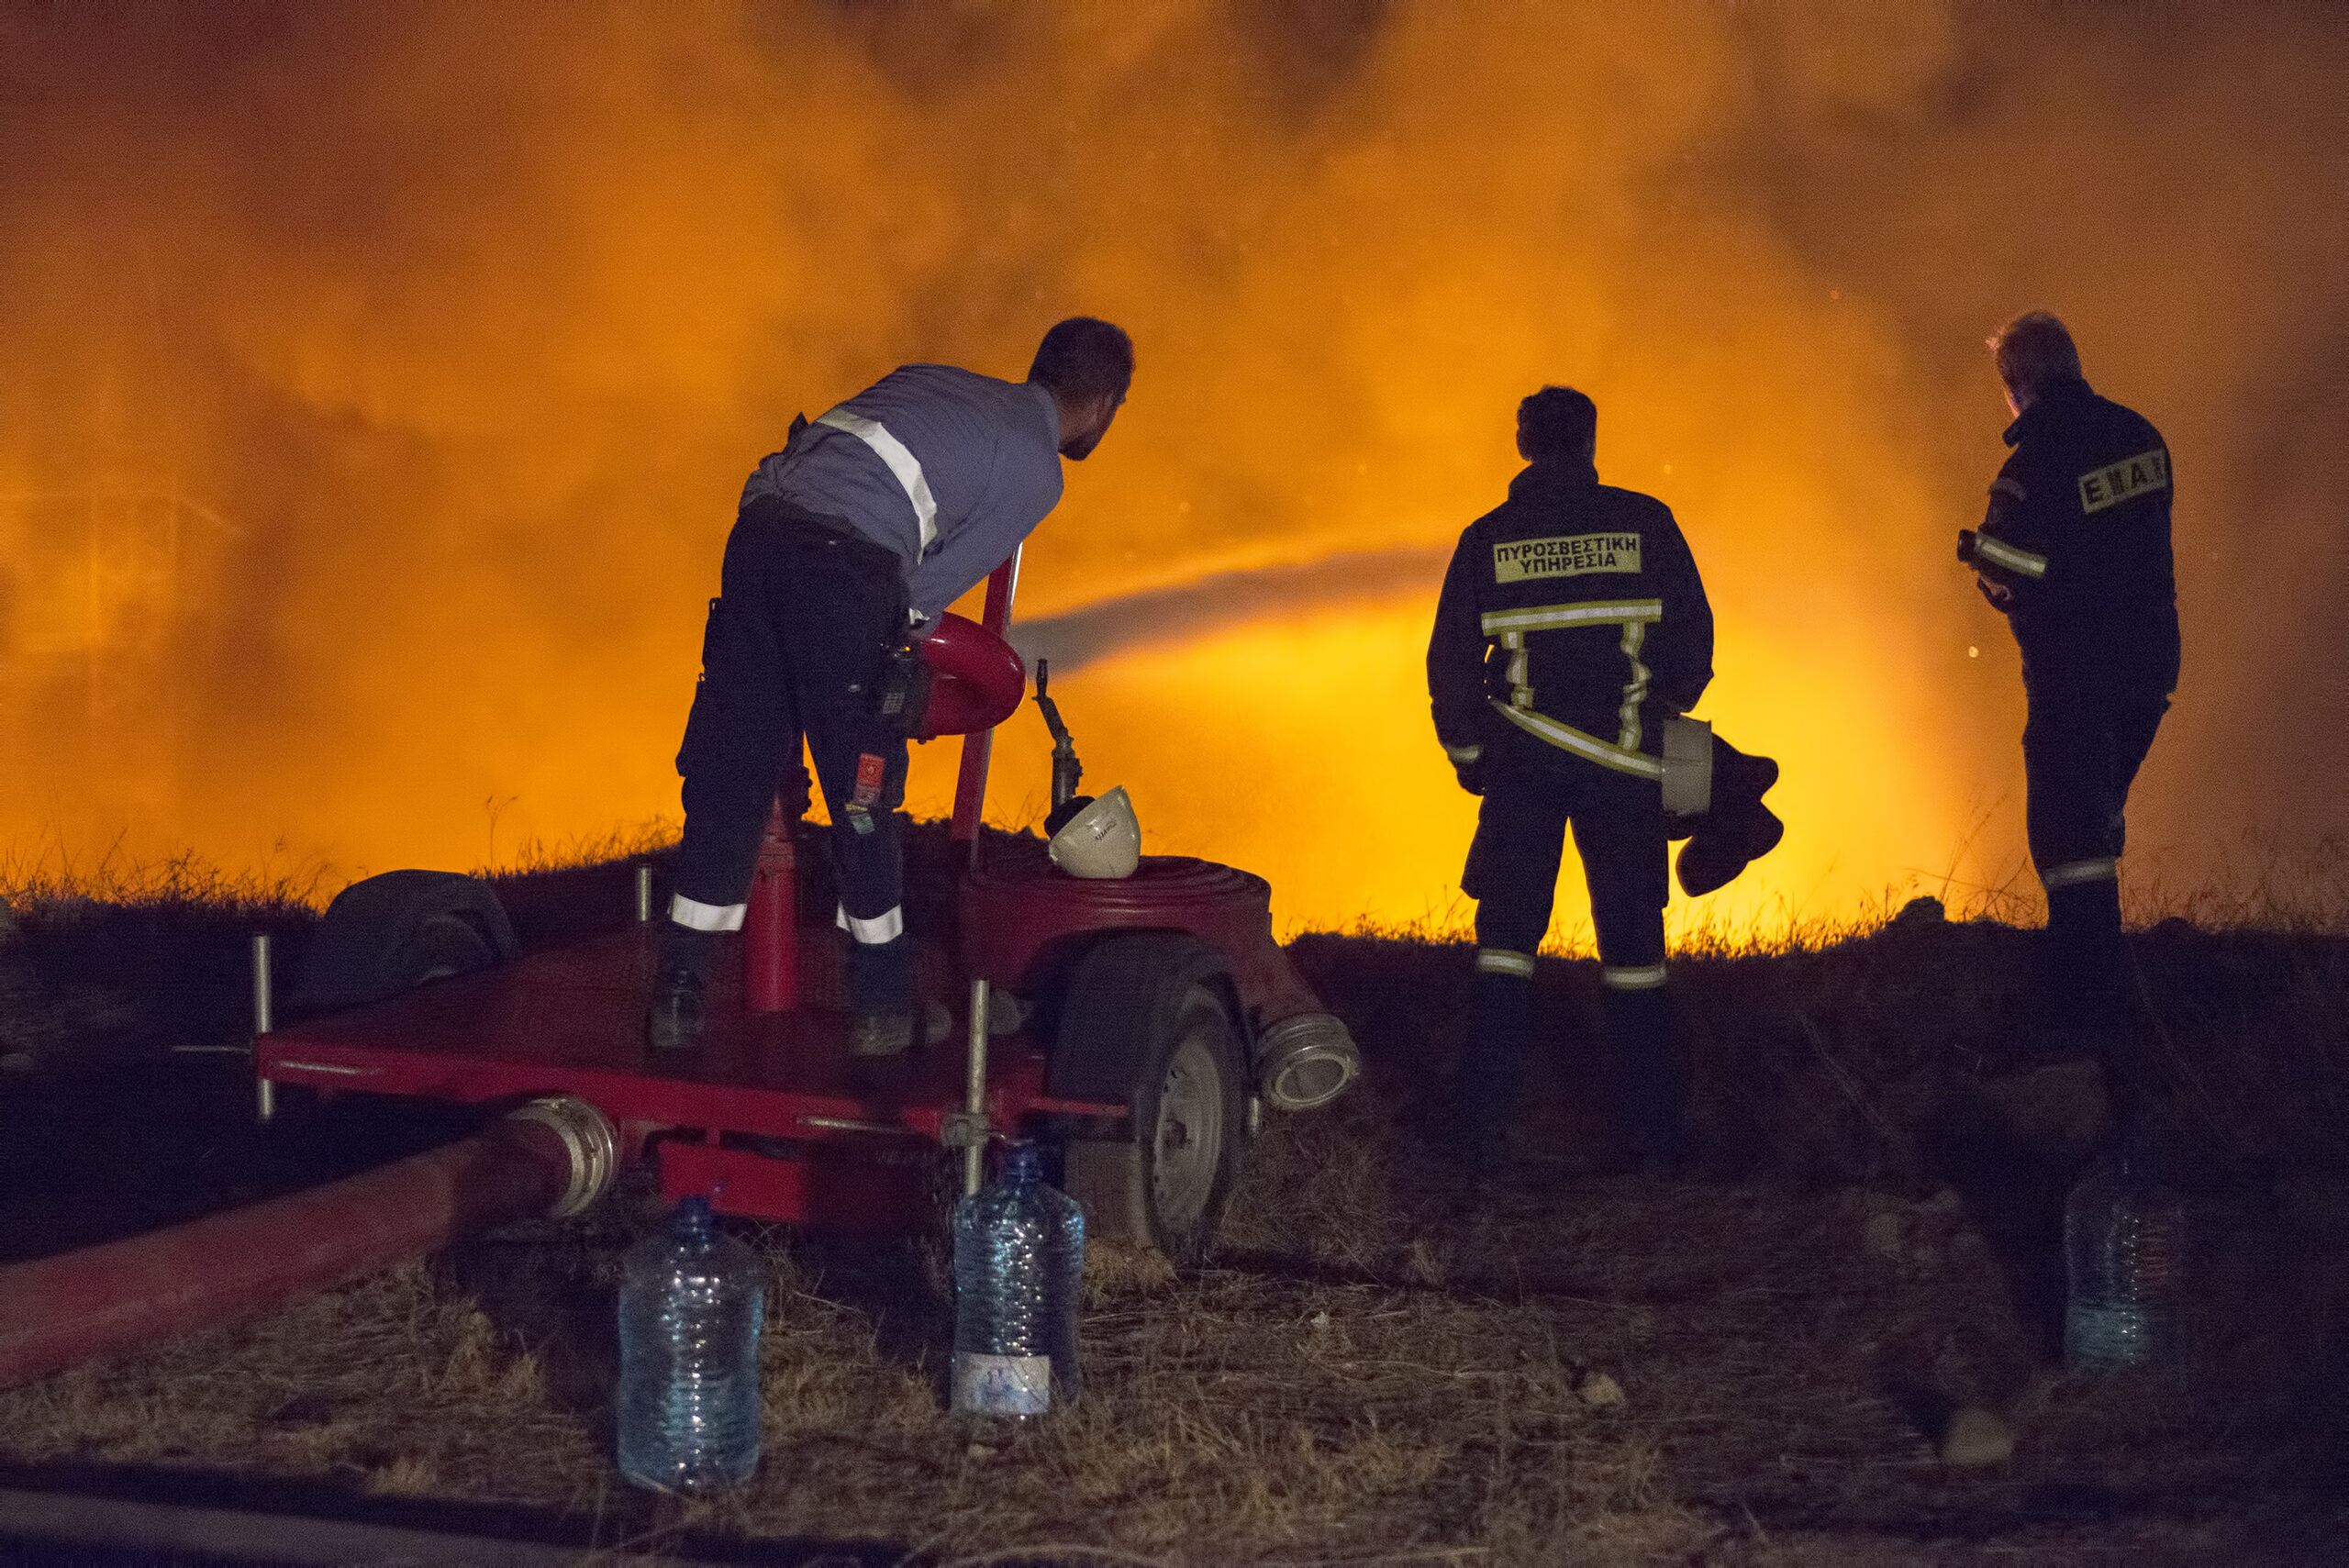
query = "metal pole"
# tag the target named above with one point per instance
(643, 894)
(976, 1088)
(265, 1090)
(971, 782)
(770, 925)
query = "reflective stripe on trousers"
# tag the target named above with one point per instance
(886, 927)
(696, 915)
(2071, 871)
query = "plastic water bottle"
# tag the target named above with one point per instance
(690, 1310)
(1019, 1273)
(2124, 1253)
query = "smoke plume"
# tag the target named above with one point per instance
(376, 384)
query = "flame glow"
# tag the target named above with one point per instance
(378, 382)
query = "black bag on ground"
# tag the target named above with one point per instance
(393, 933)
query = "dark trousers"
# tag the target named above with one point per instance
(797, 647)
(1531, 803)
(2079, 757)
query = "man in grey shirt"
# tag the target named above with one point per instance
(851, 542)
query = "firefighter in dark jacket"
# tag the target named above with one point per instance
(850, 543)
(2076, 552)
(1573, 625)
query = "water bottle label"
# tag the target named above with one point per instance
(1002, 1385)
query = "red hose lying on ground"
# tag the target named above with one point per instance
(56, 1312)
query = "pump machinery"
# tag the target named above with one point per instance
(1131, 1012)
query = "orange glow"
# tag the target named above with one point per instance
(1245, 747)
(378, 385)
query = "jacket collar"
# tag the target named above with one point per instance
(2058, 393)
(1540, 479)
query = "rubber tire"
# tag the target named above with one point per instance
(1132, 1195)
(443, 946)
(390, 933)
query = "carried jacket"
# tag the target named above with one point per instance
(1572, 619)
(2079, 533)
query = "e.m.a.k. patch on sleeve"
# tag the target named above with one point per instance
(2124, 481)
(1564, 555)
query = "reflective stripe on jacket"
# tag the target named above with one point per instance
(1572, 615)
(949, 469)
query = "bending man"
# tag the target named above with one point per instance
(1571, 624)
(850, 542)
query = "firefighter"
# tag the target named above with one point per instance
(2076, 552)
(850, 543)
(1572, 626)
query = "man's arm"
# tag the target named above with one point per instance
(2009, 555)
(1023, 485)
(1681, 666)
(959, 563)
(1456, 666)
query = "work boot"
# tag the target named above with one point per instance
(674, 1022)
(1648, 1087)
(1485, 1087)
(880, 1034)
(2081, 963)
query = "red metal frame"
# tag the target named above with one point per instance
(770, 923)
(762, 1090)
(770, 1118)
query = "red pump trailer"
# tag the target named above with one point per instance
(1138, 1025)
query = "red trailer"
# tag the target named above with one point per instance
(1139, 1025)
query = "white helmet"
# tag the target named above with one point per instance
(1102, 841)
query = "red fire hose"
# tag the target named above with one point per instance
(553, 1155)
(976, 680)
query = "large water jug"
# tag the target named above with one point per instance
(1019, 1273)
(691, 1304)
(2124, 1255)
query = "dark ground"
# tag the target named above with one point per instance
(1864, 1093)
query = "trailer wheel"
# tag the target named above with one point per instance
(1167, 1184)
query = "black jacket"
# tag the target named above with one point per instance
(1572, 617)
(2078, 530)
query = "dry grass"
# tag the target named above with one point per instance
(1385, 1367)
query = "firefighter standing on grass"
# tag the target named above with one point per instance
(1572, 626)
(850, 544)
(2076, 553)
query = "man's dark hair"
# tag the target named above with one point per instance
(2035, 350)
(1084, 358)
(1557, 423)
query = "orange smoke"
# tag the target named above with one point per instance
(379, 384)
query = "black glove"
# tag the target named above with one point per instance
(1470, 775)
(1066, 813)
